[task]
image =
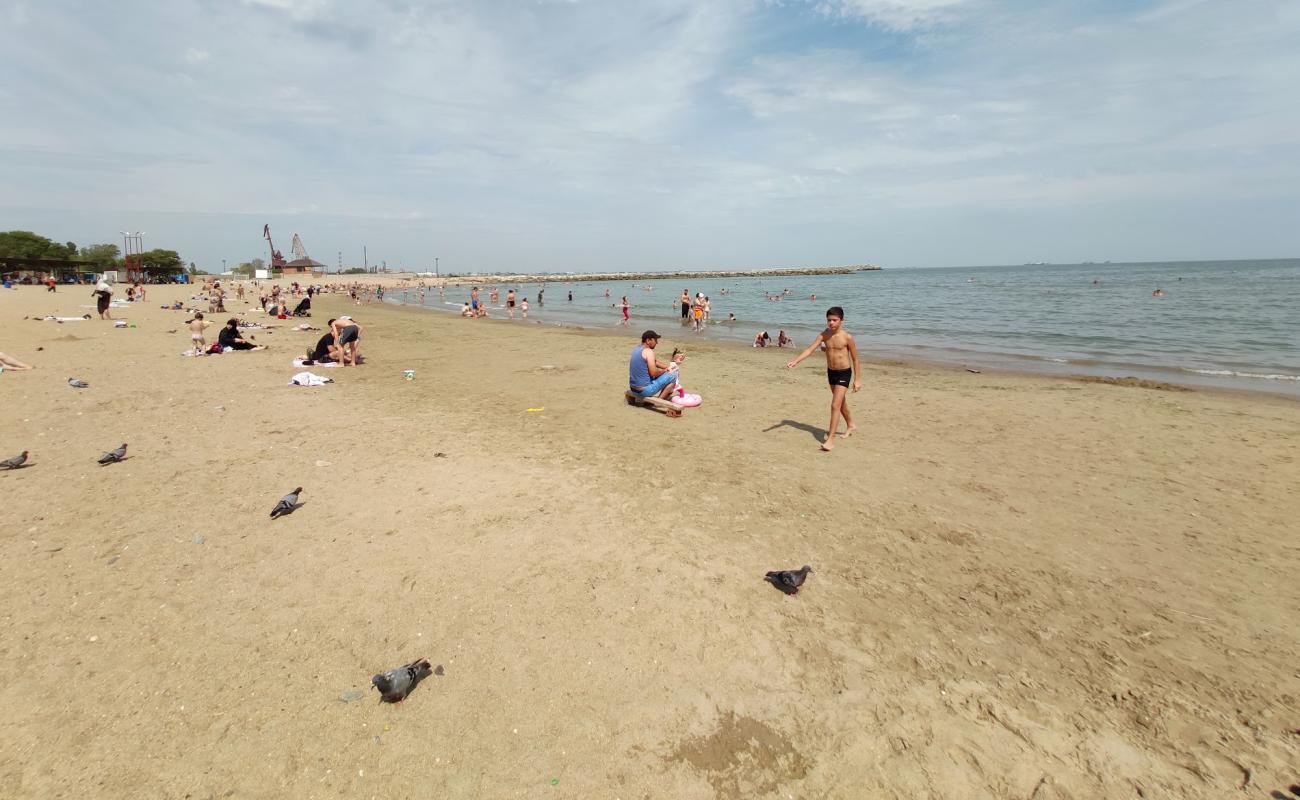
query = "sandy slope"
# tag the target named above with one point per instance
(1024, 587)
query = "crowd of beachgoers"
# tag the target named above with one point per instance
(479, 302)
(339, 344)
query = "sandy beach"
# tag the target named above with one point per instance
(1023, 586)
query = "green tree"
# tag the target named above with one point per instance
(104, 256)
(162, 261)
(25, 244)
(249, 268)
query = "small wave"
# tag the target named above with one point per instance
(1234, 374)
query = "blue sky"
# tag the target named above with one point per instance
(659, 134)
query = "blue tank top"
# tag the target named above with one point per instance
(638, 373)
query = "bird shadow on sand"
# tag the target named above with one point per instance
(817, 433)
(296, 506)
(780, 587)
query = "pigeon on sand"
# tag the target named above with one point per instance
(788, 580)
(15, 462)
(113, 456)
(396, 684)
(287, 504)
(78, 383)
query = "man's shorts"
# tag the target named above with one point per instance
(657, 385)
(349, 334)
(839, 377)
(473, 304)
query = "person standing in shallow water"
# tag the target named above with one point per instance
(842, 368)
(686, 304)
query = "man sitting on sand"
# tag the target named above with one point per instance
(646, 375)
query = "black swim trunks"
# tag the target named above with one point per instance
(349, 334)
(686, 307)
(839, 377)
(510, 304)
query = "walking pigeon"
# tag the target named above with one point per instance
(394, 686)
(113, 456)
(788, 580)
(15, 462)
(287, 504)
(78, 383)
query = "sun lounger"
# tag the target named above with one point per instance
(669, 408)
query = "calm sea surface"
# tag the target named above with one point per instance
(1221, 323)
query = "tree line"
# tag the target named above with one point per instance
(97, 257)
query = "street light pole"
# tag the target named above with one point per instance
(435, 267)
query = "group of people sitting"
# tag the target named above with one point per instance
(338, 345)
(280, 309)
(763, 339)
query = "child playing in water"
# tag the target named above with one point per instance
(842, 367)
(197, 326)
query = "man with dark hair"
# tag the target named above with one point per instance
(647, 376)
(842, 368)
(325, 351)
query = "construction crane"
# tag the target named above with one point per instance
(277, 260)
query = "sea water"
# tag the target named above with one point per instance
(1221, 323)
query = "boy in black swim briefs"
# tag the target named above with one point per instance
(842, 369)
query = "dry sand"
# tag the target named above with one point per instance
(1024, 587)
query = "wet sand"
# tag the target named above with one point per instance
(1024, 587)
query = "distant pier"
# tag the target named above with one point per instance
(651, 276)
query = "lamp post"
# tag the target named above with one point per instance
(132, 246)
(435, 267)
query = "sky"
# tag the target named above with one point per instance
(554, 135)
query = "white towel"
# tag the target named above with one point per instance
(309, 379)
(302, 362)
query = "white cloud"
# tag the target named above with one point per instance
(526, 123)
(898, 15)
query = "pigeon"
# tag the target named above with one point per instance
(15, 462)
(78, 383)
(113, 456)
(394, 686)
(287, 504)
(788, 580)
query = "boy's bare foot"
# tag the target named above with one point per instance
(848, 431)
(827, 446)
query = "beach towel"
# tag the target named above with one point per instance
(309, 379)
(302, 362)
